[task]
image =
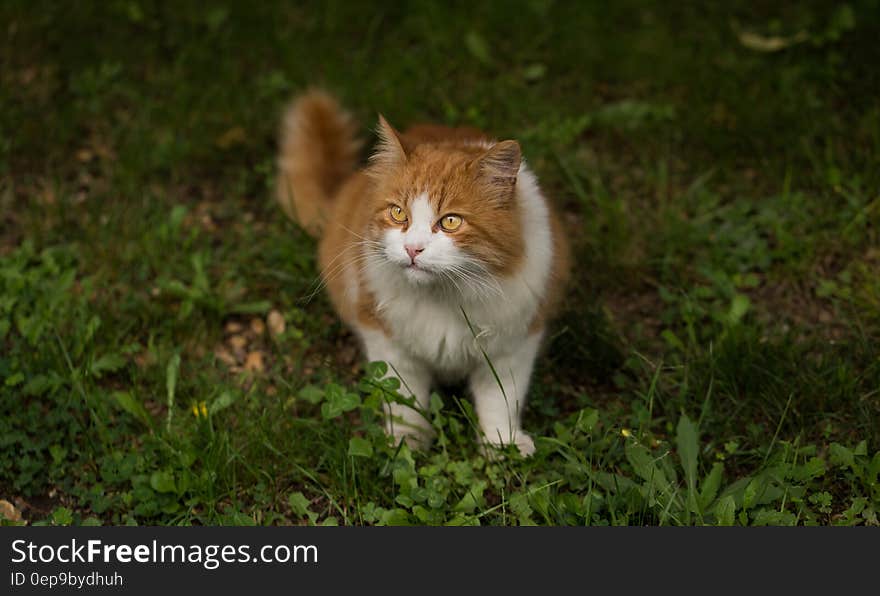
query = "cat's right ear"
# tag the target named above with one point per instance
(391, 150)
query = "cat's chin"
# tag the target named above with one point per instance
(418, 276)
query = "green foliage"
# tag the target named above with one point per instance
(49, 333)
(717, 358)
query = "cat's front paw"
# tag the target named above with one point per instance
(418, 435)
(409, 426)
(523, 442)
(416, 440)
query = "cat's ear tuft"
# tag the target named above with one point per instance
(391, 149)
(499, 167)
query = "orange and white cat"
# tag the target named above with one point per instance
(442, 255)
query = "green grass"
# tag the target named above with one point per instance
(718, 360)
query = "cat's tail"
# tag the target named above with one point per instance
(318, 151)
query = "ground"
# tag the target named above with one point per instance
(165, 359)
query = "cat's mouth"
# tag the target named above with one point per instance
(417, 273)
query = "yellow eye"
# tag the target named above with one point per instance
(450, 223)
(397, 214)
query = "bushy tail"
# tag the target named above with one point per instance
(318, 150)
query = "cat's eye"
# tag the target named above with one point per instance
(398, 214)
(450, 223)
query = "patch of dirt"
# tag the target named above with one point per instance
(246, 347)
(792, 306)
(340, 354)
(635, 312)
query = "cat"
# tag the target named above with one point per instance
(442, 255)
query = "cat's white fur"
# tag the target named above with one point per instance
(431, 338)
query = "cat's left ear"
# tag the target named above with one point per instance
(499, 167)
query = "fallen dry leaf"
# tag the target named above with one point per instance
(224, 356)
(771, 43)
(254, 362)
(233, 327)
(238, 342)
(9, 512)
(276, 324)
(233, 136)
(208, 223)
(258, 327)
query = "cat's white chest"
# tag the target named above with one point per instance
(437, 332)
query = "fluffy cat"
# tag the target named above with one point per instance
(442, 254)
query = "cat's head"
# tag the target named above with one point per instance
(445, 212)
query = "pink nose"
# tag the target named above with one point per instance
(413, 252)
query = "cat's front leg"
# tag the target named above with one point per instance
(500, 401)
(403, 422)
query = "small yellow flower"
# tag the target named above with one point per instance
(195, 410)
(625, 432)
(203, 408)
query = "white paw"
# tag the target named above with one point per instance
(417, 441)
(524, 444)
(418, 437)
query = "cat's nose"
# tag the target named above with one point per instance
(413, 251)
